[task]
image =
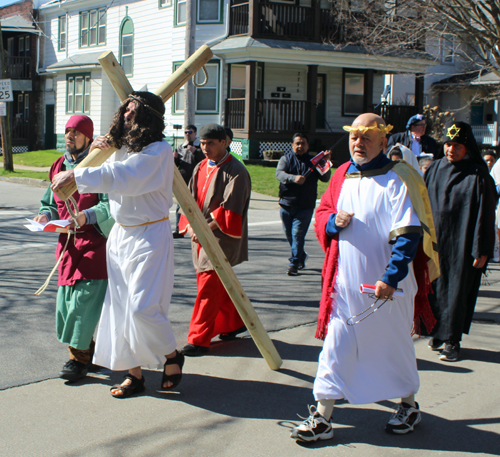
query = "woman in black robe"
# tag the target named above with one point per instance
(463, 199)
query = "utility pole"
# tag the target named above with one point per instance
(8, 163)
(189, 95)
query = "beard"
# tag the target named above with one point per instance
(76, 151)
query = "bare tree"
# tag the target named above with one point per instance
(394, 27)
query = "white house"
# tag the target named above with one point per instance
(278, 67)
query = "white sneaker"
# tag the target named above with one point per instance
(314, 428)
(404, 419)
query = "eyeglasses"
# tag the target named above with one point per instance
(370, 310)
(188, 132)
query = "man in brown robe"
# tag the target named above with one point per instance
(221, 186)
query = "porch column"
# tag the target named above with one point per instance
(253, 17)
(250, 97)
(316, 4)
(419, 92)
(312, 94)
(368, 108)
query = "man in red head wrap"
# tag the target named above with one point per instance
(82, 270)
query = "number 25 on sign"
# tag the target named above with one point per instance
(6, 90)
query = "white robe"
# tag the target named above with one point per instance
(134, 329)
(375, 359)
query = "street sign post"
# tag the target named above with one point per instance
(6, 91)
(3, 109)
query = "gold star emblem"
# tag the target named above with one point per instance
(453, 131)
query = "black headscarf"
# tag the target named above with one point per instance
(461, 132)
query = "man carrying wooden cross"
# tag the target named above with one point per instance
(82, 270)
(134, 330)
(221, 187)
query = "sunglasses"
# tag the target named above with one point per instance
(419, 125)
(188, 132)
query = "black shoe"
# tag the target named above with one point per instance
(192, 350)
(232, 335)
(292, 271)
(451, 352)
(176, 234)
(73, 370)
(302, 264)
(435, 344)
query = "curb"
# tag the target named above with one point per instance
(26, 181)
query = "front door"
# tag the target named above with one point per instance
(50, 136)
(321, 102)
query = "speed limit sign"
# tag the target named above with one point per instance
(6, 91)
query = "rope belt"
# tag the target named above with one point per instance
(147, 223)
(46, 283)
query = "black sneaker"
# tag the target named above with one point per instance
(302, 264)
(435, 344)
(73, 370)
(314, 428)
(176, 235)
(451, 352)
(404, 419)
(193, 350)
(292, 271)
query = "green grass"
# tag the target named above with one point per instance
(24, 174)
(264, 180)
(37, 158)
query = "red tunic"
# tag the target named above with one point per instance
(85, 256)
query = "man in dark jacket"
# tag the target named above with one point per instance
(186, 156)
(298, 193)
(415, 138)
(463, 199)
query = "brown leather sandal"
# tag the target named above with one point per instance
(136, 386)
(175, 379)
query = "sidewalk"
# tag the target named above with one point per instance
(231, 404)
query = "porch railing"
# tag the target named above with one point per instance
(270, 115)
(280, 115)
(235, 113)
(18, 67)
(295, 22)
(396, 115)
(239, 19)
(485, 134)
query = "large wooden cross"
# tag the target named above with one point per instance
(188, 204)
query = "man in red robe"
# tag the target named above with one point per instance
(221, 187)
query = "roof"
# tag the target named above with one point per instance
(84, 60)
(473, 78)
(241, 48)
(18, 24)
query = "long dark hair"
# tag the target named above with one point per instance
(147, 127)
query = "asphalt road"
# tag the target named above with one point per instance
(29, 347)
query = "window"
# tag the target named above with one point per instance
(21, 46)
(78, 94)
(164, 3)
(127, 46)
(93, 28)
(27, 44)
(238, 80)
(180, 12)
(209, 11)
(354, 93)
(206, 97)
(62, 33)
(448, 49)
